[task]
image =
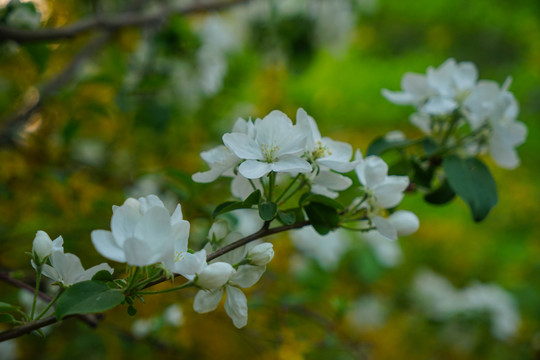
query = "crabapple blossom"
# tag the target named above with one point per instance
(66, 268)
(272, 144)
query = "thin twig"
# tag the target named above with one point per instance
(263, 232)
(13, 124)
(111, 22)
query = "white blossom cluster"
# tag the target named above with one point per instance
(441, 300)
(65, 268)
(451, 97)
(254, 149)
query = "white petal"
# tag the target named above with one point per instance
(155, 230)
(405, 222)
(236, 306)
(242, 146)
(439, 106)
(177, 215)
(50, 272)
(385, 227)
(180, 233)
(123, 223)
(466, 75)
(140, 253)
(206, 301)
(399, 97)
(247, 275)
(190, 264)
(105, 245)
(372, 171)
(88, 274)
(291, 164)
(253, 169)
(415, 84)
(149, 202)
(390, 193)
(68, 266)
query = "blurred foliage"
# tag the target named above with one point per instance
(153, 98)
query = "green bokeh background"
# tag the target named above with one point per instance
(146, 130)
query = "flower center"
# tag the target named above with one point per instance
(179, 255)
(269, 152)
(320, 151)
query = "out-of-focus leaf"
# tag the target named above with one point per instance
(442, 195)
(472, 181)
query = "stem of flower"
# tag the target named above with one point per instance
(288, 187)
(51, 303)
(271, 184)
(38, 281)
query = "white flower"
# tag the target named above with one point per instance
(440, 91)
(66, 268)
(441, 300)
(261, 254)
(497, 109)
(273, 144)
(388, 253)
(384, 192)
(42, 246)
(144, 233)
(334, 155)
(236, 302)
(220, 159)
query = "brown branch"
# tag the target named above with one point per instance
(263, 232)
(26, 328)
(258, 235)
(111, 22)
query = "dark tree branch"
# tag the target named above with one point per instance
(263, 232)
(111, 22)
(26, 328)
(14, 124)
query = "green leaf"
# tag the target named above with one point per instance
(422, 177)
(226, 207)
(253, 198)
(429, 146)
(381, 145)
(472, 181)
(286, 217)
(87, 297)
(8, 318)
(323, 218)
(102, 275)
(442, 195)
(267, 210)
(5, 307)
(316, 198)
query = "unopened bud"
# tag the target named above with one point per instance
(261, 254)
(41, 247)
